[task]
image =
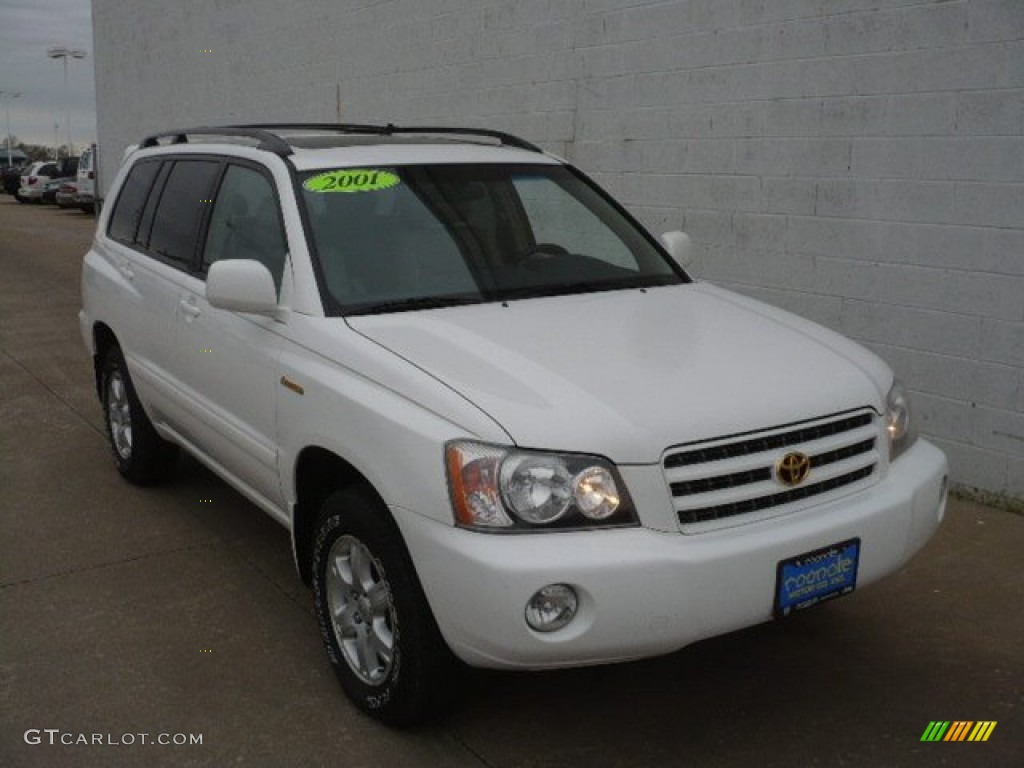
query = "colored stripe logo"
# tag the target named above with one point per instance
(958, 730)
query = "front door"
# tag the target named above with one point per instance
(229, 360)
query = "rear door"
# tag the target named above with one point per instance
(86, 175)
(138, 302)
(158, 264)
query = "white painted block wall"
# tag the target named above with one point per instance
(860, 162)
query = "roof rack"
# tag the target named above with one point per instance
(268, 138)
(391, 129)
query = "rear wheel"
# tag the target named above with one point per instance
(376, 625)
(142, 456)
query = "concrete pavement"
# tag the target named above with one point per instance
(176, 611)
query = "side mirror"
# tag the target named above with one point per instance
(241, 285)
(679, 247)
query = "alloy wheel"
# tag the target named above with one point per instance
(119, 415)
(362, 610)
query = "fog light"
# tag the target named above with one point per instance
(551, 607)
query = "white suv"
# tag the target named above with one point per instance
(500, 421)
(34, 179)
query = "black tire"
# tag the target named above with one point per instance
(141, 455)
(414, 679)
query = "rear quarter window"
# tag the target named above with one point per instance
(124, 221)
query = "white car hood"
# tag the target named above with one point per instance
(627, 374)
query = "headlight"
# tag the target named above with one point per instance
(497, 488)
(537, 488)
(898, 421)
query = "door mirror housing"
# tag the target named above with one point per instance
(679, 247)
(241, 285)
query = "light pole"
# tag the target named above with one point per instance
(10, 95)
(62, 52)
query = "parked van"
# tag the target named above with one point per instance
(85, 197)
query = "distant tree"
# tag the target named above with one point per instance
(35, 151)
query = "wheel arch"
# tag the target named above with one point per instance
(103, 340)
(319, 472)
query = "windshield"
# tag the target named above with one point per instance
(411, 237)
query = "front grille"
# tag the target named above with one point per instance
(767, 443)
(724, 479)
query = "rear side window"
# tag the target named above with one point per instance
(124, 222)
(146, 223)
(179, 214)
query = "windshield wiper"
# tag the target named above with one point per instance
(586, 286)
(406, 305)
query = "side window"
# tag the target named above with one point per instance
(146, 222)
(128, 209)
(179, 213)
(246, 222)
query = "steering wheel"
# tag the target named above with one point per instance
(542, 252)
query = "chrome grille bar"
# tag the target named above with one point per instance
(767, 443)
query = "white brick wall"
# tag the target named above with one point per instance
(857, 161)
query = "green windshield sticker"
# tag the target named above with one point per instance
(351, 180)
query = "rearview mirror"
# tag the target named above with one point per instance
(679, 247)
(241, 285)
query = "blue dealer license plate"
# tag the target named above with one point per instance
(813, 577)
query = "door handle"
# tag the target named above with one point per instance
(126, 271)
(191, 310)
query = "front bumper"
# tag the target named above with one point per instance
(644, 592)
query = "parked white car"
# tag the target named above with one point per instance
(34, 179)
(501, 422)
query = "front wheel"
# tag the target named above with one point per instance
(376, 625)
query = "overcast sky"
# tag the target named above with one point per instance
(27, 29)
